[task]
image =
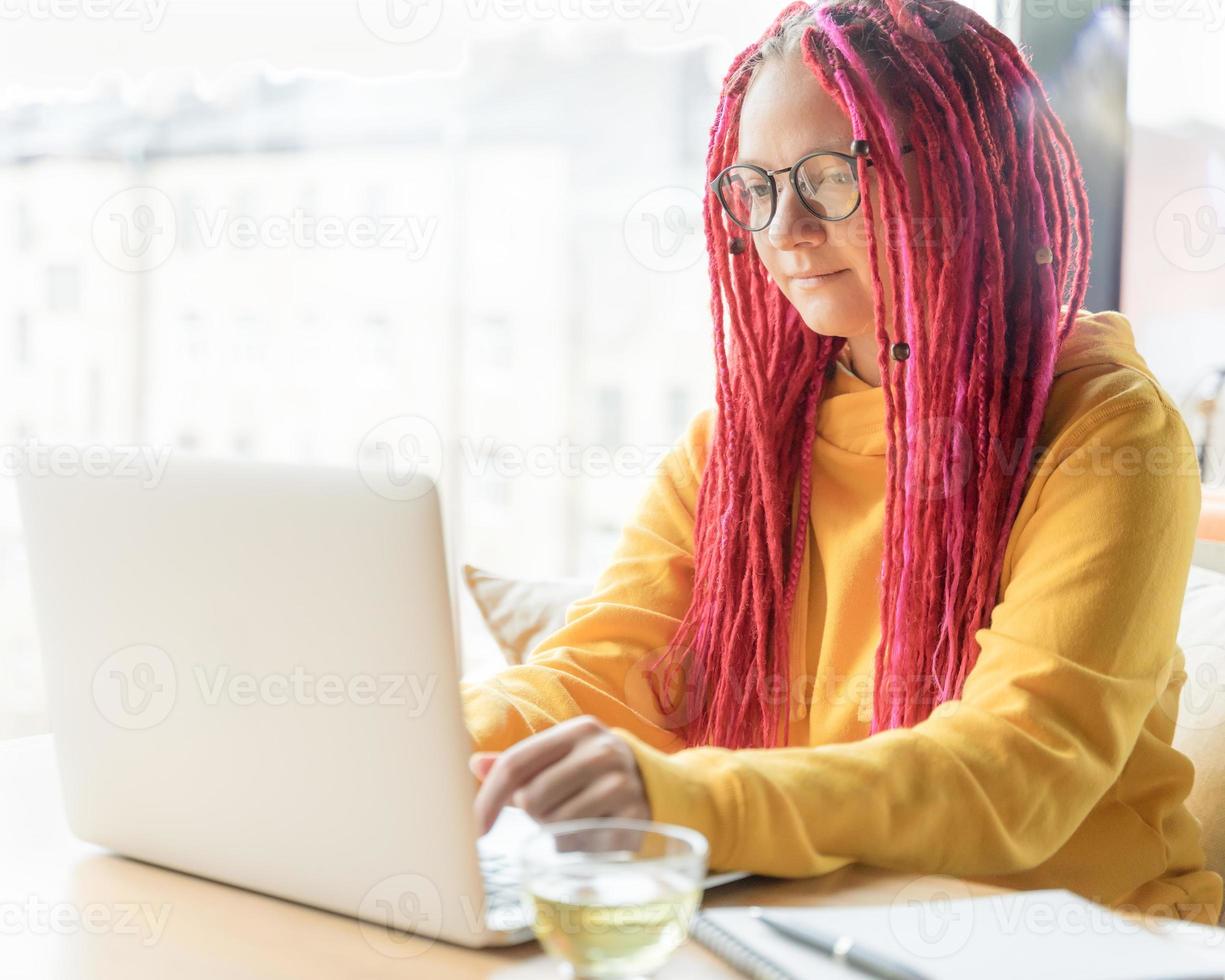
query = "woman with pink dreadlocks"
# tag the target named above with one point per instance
(907, 593)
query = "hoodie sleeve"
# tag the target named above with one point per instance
(1072, 661)
(593, 663)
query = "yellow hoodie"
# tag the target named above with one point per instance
(1053, 769)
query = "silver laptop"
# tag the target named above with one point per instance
(253, 676)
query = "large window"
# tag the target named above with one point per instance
(264, 230)
(1174, 240)
(274, 265)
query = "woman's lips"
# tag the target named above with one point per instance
(816, 282)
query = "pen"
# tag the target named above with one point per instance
(844, 949)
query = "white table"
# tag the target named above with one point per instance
(71, 911)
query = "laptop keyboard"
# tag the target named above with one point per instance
(504, 908)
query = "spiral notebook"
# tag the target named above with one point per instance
(1052, 933)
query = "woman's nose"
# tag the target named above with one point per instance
(794, 226)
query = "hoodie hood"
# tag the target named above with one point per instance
(852, 413)
(1100, 338)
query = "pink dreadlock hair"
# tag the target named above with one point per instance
(1010, 242)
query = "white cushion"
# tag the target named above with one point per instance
(520, 613)
(1209, 554)
(1200, 731)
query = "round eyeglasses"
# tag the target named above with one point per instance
(825, 181)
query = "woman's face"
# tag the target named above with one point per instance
(786, 115)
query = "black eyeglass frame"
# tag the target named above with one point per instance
(859, 148)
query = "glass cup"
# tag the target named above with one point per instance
(612, 899)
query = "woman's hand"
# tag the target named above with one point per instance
(577, 768)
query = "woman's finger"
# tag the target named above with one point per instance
(609, 795)
(481, 762)
(586, 761)
(522, 761)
